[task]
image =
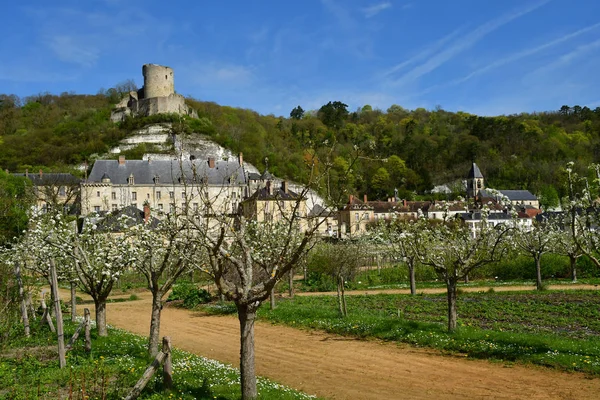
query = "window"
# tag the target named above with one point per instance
(133, 195)
(357, 216)
(98, 193)
(160, 207)
(148, 196)
(62, 191)
(97, 208)
(183, 195)
(172, 207)
(113, 195)
(130, 179)
(158, 195)
(282, 205)
(114, 207)
(234, 195)
(171, 195)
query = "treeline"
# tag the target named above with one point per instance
(408, 150)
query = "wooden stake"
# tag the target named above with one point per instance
(22, 298)
(168, 367)
(88, 338)
(46, 319)
(62, 361)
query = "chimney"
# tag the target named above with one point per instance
(350, 199)
(241, 158)
(389, 199)
(26, 172)
(121, 160)
(284, 186)
(211, 162)
(269, 188)
(365, 198)
(146, 212)
(41, 173)
(404, 202)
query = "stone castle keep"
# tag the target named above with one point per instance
(156, 97)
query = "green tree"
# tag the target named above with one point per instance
(380, 181)
(15, 201)
(297, 113)
(333, 114)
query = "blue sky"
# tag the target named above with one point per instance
(486, 57)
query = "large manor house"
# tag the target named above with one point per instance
(228, 186)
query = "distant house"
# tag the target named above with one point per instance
(55, 190)
(355, 216)
(516, 197)
(474, 220)
(328, 221)
(274, 203)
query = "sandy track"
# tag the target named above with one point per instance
(335, 367)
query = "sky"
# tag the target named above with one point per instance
(486, 57)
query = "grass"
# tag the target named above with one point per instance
(29, 370)
(552, 328)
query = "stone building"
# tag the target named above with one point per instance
(156, 97)
(165, 185)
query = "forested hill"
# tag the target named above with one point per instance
(423, 148)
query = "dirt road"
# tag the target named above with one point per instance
(342, 368)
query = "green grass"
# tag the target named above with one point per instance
(29, 370)
(557, 329)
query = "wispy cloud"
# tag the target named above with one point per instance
(567, 58)
(375, 9)
(70, 49)
(463, 43)
(218, 74)
(514, 57)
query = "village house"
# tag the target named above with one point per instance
(54, 191)
(271, 204)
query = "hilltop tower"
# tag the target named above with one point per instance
(156, 97)
(158, 81)
(475, 181)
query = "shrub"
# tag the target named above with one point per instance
(190, 294)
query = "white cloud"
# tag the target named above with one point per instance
(375, 9)
(463, 43)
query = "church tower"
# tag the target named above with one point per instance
(475, 182)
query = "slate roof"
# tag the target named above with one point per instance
(475, 172)
(320, 211)
(110, 222)
(168, 172)
(513, 195)
(277, 194)
(476, 216)
(254, 176)
(51, 179)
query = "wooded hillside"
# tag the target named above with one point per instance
(422, 147)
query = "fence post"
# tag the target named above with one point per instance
(46, 316)
(22, 298)
(168, 366)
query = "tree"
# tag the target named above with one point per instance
(453, 252)
(536, 242)
(160, 259)
(333, 114)
(297, 113)
(341, 261)
(549, 197)
(566, 245)
(402, 239)
(15, 200)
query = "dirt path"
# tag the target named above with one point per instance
(342, 368)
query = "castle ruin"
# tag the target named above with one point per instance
(156, 97)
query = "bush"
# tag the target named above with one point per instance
(190, 294)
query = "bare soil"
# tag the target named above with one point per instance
(336, 367)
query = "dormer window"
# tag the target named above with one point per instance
(130, 179)
(156, 179)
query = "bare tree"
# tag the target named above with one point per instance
(453, 252)
(340, 260)
(159, 257)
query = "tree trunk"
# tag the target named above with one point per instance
(538, 272)
(467, 278)
(291, 284)
(573, 260)
(411, 274)
(154, 337)
(378, 265)
(88, 336)
(100, 306)
(24, 315)
(73, 302)
(272, 298)
(339, 297)
(62, 361)
(452, 314)
(246, 315)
